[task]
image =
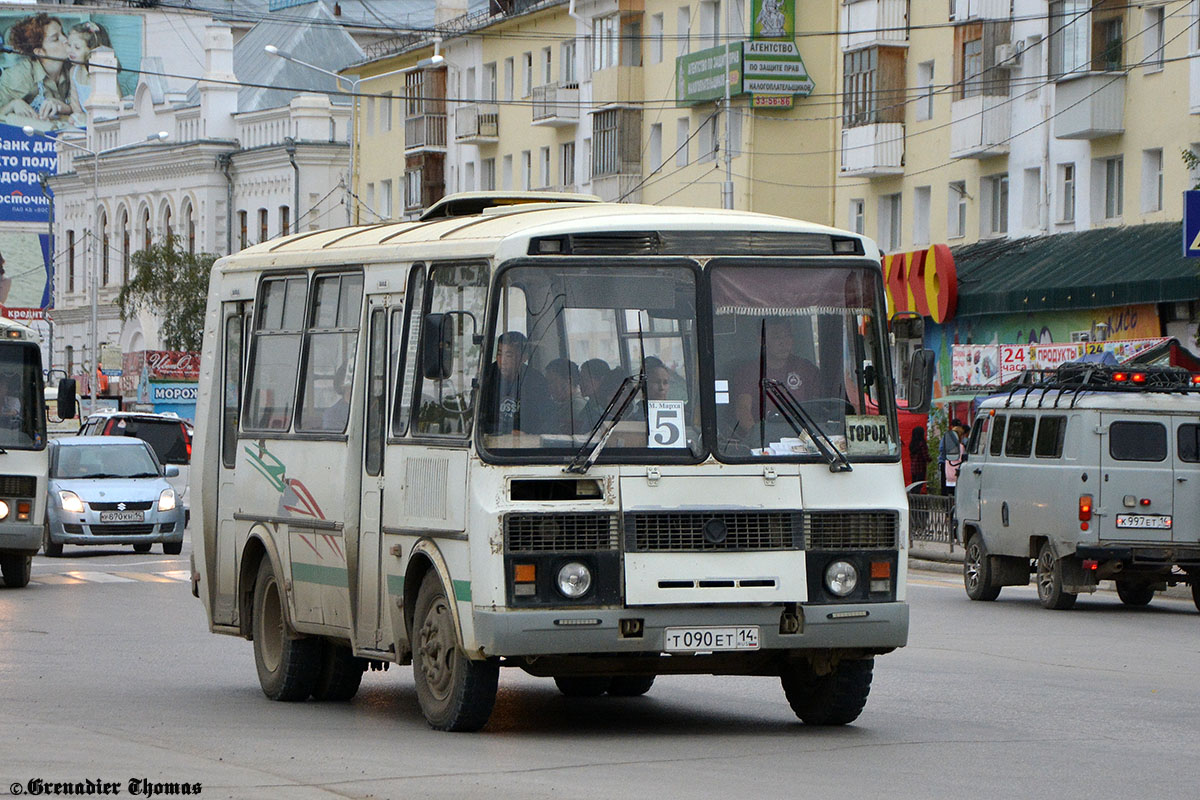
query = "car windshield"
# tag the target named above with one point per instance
(22, 409)
(104, 461)
(800, 363)
(568, 338)
(166, 437)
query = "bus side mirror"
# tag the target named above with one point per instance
(437, 347)
(920, 381)
(66, 399)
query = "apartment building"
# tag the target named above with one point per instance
(1038, 144)
(586, 96)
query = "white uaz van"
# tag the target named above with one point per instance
(1091, 474)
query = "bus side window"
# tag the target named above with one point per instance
(406, 339)
(997, 443)
(376, 392)
(459, 292)
(234, 330)
(329, 351)
(275, 355)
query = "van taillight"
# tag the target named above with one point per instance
(1085, 511)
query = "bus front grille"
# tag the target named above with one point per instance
(560, 533)
(18, 486)
(711, 531)
(850, 530)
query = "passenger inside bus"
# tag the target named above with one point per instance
(783, 364)
(568, 411)
(334, 417)
(515, 394)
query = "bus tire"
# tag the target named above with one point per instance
(977, 571)
(172, 548)
(455, 693)
(340, 673)
(1049, 581)
(1135, 594)
(50, 547)
(833, 699)
(630, 685)
(287, 662)
(583, 685)
(1196, 590)
(16, 569)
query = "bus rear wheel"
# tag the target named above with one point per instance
(583, 685)
(836, 698)
(340, 673)
(16, 569)
(455, 693)
(287, 662)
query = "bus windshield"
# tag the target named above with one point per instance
(22, 414)
(800, 363)
(568, 339)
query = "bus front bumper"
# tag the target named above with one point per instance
(20, 537)
(863, 626)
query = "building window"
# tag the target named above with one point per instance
(655, 148)
(995, 194)
(1114, 187)
(168, 228)
(921, 202)
(890, 222)
(1108, 55)
(243, 236)
(972, 60)
(606, 42)
(547, 64)
(857, 223)
(104, 275)
(526, 170)
(526, 74)
(489, 82)
(1152, 180)
(70, 261)
(385, 112)
(1069, 36)
(285, 222)
(631, 40)
(925, 90)
(710, 23)
(147, 230)
(506, 176)
(568, 164)
(189, 221)
(385, 199)
(566, 68)
(656, 38)
(262, 225)
(125, 247)
(509, 68)
(412, 188)
(956, 218)
(70, 358)
(1031, 204)
(468, 177)
(544, 159)
(487, 175)
(369, 126)
(1066, 192)
(683, 30)
(708, 140)
(1152, 35)
(616, 142)
(872, 85)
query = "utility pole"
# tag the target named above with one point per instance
(727, 186)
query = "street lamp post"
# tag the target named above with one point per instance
(352, 206)
(94, 243)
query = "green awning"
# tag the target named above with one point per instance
(1089, 269)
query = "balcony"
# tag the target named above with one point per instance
(614, 188)
(1090, 105)
(477, 123)
(556, 106)
(962, 10)
(980, 126)
(425, 132)
(873, 151)
(874, 22)
(617, 85)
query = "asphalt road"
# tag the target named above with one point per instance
(108, 673)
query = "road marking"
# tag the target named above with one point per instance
(99, 577)
(55, 579)
(178, 574)
(145, 577)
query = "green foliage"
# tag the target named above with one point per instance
(173, 285)
(1191, 161)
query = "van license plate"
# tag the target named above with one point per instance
(704, 640)
(1160, 521)
(122, 516)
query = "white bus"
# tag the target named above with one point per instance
(22, 451)
(598, 442)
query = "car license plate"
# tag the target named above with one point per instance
(703, 640)
(1160, 521)
(122, 516)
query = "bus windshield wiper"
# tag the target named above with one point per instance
(620, 402)
(801, 421)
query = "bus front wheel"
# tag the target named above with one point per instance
(836, 698)
(16, 569)
(455, 693)
(288, 664)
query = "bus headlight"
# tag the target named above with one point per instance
(840, 578)
(166, 500)
(70, 502)
(4, 509)
(574, 580)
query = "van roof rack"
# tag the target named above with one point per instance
(1073, 378)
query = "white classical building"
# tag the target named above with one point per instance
(256, 147)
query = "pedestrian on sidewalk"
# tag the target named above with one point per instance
(918, 456)
(950, 453)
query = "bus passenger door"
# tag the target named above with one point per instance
(368, 623)
(223, 559)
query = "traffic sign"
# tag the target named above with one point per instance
(1191, 224)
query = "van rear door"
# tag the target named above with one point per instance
(1186, 437)
(1137, 480)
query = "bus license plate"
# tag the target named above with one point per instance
(1160, 521)
(703, 640)
(122, 516)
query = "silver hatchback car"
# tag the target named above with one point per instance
(110, 490)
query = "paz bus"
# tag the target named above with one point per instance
(22, 451)
(596, 442)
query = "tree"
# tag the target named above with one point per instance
(173, 285)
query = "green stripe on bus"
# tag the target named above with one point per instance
(395, 584)
(462, 591)
(315, 573)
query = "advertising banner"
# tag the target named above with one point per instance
(773, 19)
(700, 77)
(24, 275)
(143, 369)
(44, 84)
(774, 68)
(985, 365)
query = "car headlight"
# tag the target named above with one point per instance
(4, 509)
(841, 577)
(574, 580)
(166, 500)
(70, 502)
